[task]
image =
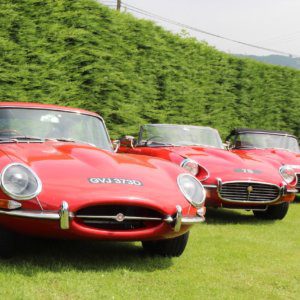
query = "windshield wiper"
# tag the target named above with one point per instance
(26, 137)
(248, 147)
(61, 140)
(21, 138)
(157, 144)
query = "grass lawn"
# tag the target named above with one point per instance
(232, 256)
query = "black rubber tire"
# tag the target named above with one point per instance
(7, 244)
(273, 212)
(169, 247)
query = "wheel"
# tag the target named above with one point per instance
(7, 243)
(273, 212)
(168, 247)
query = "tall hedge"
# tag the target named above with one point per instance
(79, 53)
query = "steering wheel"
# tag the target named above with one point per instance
(9, 132)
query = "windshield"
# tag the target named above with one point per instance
(265, 140)
(23, 124)
(179, 135)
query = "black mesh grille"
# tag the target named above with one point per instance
(249, 192)
(84, 216)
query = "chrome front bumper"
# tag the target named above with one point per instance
(64, 216)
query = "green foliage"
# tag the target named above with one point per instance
(79, 53)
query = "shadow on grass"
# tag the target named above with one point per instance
(36, 255)
(231, 216)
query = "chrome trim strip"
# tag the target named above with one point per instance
(169, 219)
(63, 215)
(192, 220)
(262, 132)
(294, 167)
(210, 186)
(219, 184)
(125, 218)
(280, 194)
(178, 218)
(292, 191)
(46, 215)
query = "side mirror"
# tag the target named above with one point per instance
(116, 145)
(127, 141)
(227, 145)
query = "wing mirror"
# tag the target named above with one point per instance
(116, 145)
(227, 145)
(127, 141)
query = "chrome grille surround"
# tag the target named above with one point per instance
(298, 181)
(249, 192)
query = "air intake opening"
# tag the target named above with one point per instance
(118, 217)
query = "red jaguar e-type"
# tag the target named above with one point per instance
(269, 144)
(245, 181)
(61, 178)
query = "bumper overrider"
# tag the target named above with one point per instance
(64, 216)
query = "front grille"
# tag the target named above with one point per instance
(118, 217)
(298, 183)
(250, 192)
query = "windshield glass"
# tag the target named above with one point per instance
(179, 135)
(34, 124)
(265, 140)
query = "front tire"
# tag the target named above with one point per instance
(7, 243)
(169, 247)
(273, 212)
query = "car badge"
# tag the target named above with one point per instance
(250, 189)
(120, 217)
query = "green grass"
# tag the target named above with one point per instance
(232, 256)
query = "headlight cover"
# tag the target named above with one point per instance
(20, 182)
(288, 174)
(192, 189)
(190, 165)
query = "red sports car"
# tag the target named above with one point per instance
(278, 145)
(232, 180)
(61, 178)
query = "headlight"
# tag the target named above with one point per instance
(288, 174)
(20, 182)
(191, 166)
(192, 189)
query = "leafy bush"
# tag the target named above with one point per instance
(79, 53)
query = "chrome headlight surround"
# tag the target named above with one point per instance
(191, 166)
(288, 174)
(20, 182)
(192, 189)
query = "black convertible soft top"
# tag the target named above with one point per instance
(244, 130)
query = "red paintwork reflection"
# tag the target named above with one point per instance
(65, 169)
(222, 164)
